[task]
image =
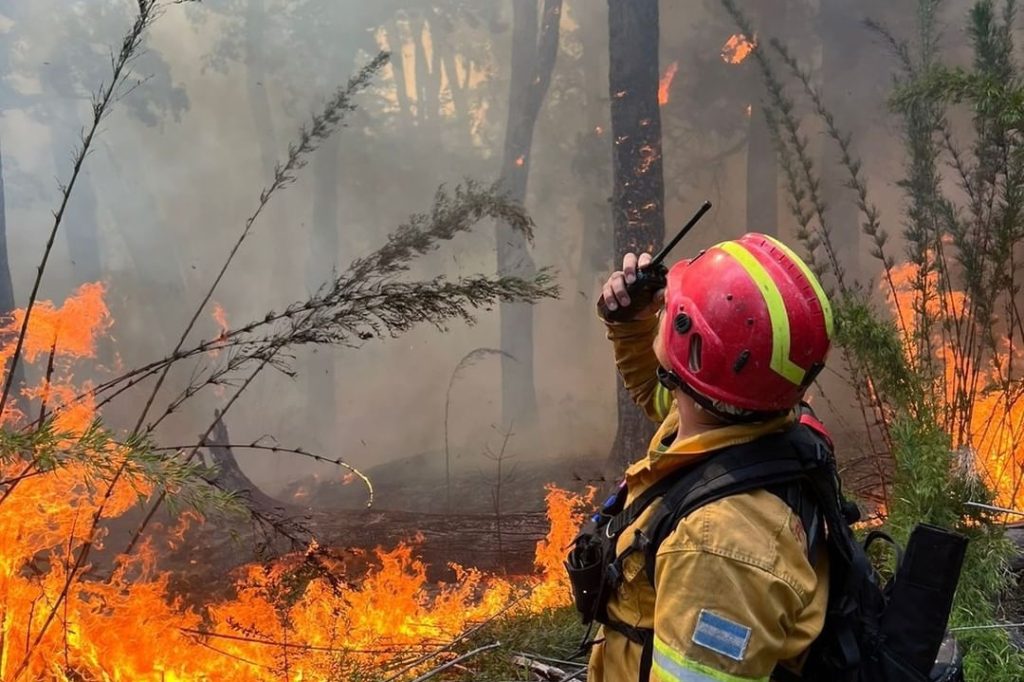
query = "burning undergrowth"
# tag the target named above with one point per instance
(309, 615)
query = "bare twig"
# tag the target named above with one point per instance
(540, 668)
(46, 383)
(992, 508)
(465, 635)
(255, 445)
(100, 107)
(321, 127)
(993, 626)
(292, 645)
(455, 661)
(467, 360)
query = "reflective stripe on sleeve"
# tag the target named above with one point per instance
(671, 666)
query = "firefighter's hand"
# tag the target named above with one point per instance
(614, 291)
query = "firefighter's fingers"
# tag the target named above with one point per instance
(629, 263)
(618, 285)
(614, 291)
(644, 260)
(608, 296)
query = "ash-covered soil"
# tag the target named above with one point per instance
(409, 506)
(418, 484)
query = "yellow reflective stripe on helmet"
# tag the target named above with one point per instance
(662, 401)
(780, 363)
(668, 665)
(826, 307)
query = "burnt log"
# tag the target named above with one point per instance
(230, 476)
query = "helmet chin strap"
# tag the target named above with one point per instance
(673, 381)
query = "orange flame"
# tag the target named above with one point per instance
(991, 438)
(665, 84)
(279, 625)
(737, 48)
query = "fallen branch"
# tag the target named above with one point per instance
(544, 670)
(465, 635)
(288, 645)
(993, 626)
(992, 508)
(255, 445)
(455, 661)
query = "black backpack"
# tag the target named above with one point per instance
(874, 631)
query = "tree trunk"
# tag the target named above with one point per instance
(395, 41)
(79, 225)
(281, 265)
(593, 155)
(230, 476)
(255, 81)
(762, 162)
(533, 60)
(762, 173)
(842, 36)
(638, 187)
(6, 284)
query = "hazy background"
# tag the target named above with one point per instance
(225, 85)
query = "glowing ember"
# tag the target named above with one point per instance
(648, 156)
(665, 84)
(521, 160)
(737, 48)
(750, 110)
(599, 130)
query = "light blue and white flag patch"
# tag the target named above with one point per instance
(721, 635)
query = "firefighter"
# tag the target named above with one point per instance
(722, 357)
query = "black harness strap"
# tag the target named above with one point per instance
(768, 463)
(773, 462)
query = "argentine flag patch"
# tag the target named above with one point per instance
(721, 635)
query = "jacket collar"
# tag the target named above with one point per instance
(661, 460)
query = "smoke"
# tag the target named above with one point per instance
(221, 93)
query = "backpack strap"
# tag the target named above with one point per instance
(770, 462)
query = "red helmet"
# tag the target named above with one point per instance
(746, 324)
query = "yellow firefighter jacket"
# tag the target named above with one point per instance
(736, 591)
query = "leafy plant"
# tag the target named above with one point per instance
(936, 367)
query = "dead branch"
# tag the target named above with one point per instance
(255, 445)
(321, 127)
(455, 661)
(545, 671)
(465, 635)
(467, 360)
(291, 645)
